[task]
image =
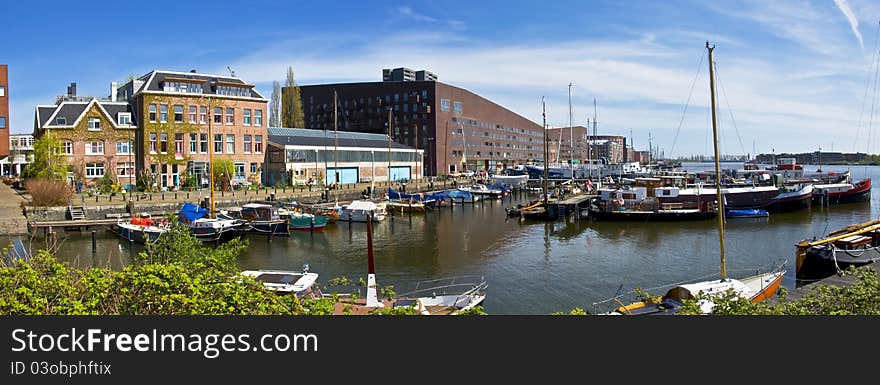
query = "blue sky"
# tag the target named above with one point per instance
(793, 75)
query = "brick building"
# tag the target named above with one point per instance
(95, 135)
(458, 129)
(177, 110)
(4, 110)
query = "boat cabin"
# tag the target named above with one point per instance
(259, 212)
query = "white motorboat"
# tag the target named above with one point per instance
(300, 283)
(360, 211)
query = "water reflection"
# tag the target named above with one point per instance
(531, 267)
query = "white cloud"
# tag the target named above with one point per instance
(407, 13)
(851, 18)
(638, 87)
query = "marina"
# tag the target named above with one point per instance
(532, 267)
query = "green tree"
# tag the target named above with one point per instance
(49, 162)
(107, 182)
(224, 168)
(291, 103)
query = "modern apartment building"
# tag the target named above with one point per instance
(458, 129)
(21, 152)
(4, 110)
(95, 134)
(585, 146)
(184, 115)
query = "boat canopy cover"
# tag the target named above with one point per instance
(362, 205)
(457, 194)
(392, 194)
(191, 212)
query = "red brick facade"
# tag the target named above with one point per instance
(171, 159)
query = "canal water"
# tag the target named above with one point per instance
(531, 267)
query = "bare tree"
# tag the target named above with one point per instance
(275, 105)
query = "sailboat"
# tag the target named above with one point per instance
(754, 288)
(540, 210)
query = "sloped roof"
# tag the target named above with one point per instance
(310, 137)
(155, 78)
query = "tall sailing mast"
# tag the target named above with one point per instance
(546, 152)
(570, 134)
(595, 135)
(335, 145)
(717, 163)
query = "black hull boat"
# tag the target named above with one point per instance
(659, 215)
(736, 198)
(792, 201)
(856, 245)
(210, 229)
(262, 219)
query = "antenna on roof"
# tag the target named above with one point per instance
(231, 72)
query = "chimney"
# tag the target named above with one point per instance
(112, 91)
(71, 89)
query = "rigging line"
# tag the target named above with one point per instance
(873, 104)
(867, 85)
(729, 110)
(680, 122)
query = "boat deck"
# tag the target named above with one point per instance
(576, 199)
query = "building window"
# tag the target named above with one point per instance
(95, 148)
(203, 115)
(258, 144)
(2, 91)
(230, 143)
(152, 143)
(94, 170)
(444, 105)
(61, 121)
(178, 114)
(218, 143)
(193, 144)
(123, 148)
(254, 167)
(247, 144)
(152, 113)
(124, 169)
(258, 118)
(192, 114)
(233, 91)
(124, 119)
(218, 115)
(203, 143)
(230, 116)
(94, 124)
(163, 113)
(163, 143)
(239, 171)
(178, 145)
(457, 107)
(247, 116)
(67, 147)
